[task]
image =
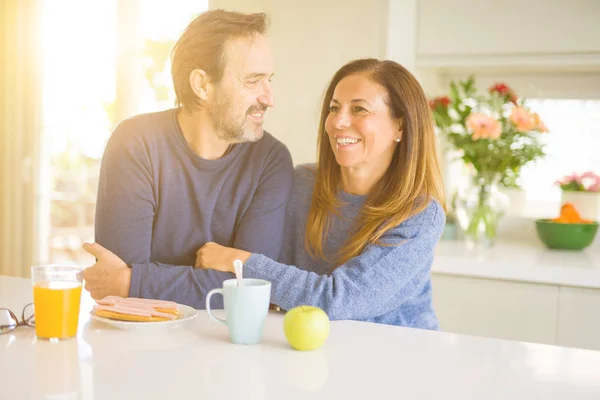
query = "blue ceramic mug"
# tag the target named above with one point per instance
(246, 308)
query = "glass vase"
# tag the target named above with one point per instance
(479, 207)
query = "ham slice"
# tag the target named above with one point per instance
(136, 306)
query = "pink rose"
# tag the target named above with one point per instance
(589, 175)
(522, 119)
(574, 177)
(591, 181)
(594, 187)
(483, 126)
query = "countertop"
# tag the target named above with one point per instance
(358, 361)
(525, 262)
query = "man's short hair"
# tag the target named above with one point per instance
(202, 46)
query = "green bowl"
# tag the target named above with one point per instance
(556, 235)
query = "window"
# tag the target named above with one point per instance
(569, 103)
(97, 71)
(572, 145)
(79, 94)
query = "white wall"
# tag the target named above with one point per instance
(435, 39)
(311, 40)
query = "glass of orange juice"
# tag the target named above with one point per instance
(56, 298)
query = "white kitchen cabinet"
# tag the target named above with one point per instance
(513, 28)
(579, 318)
(495, 308)
(519, 291)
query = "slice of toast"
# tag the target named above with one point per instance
(128, 317)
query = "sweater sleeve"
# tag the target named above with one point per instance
(178, 283)
(261, 228)
(124, 219)
(367, 285)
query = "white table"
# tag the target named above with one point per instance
(359, 361)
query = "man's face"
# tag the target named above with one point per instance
(241, 98)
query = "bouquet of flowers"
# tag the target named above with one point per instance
(494, 133)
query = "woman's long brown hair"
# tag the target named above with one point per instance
(411, 180)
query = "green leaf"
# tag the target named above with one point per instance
(454, 97)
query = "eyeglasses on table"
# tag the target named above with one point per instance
(9, 321)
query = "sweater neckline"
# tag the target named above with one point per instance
(352, 198)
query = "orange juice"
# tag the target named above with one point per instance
(56, 308)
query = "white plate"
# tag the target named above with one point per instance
(186, 313)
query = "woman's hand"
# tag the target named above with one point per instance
(220, 258)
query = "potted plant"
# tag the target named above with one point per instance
(495, 134)
(583, 191)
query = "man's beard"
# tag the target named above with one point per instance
(228, 128)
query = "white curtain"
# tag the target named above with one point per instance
(20, 132)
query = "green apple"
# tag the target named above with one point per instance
(306, 327)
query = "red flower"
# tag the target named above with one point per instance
(504, 90)
(442, 101)
(501, 88)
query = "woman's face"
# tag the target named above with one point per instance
(361, 130)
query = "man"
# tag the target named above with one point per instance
(204, 172)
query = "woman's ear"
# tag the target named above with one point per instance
(400, 128)
(200, 83)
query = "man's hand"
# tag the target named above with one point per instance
(220, 258)
(110, 276)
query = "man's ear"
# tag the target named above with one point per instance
(200, 83)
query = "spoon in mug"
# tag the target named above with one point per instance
(238, 267)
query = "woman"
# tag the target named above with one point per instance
(361, 228)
